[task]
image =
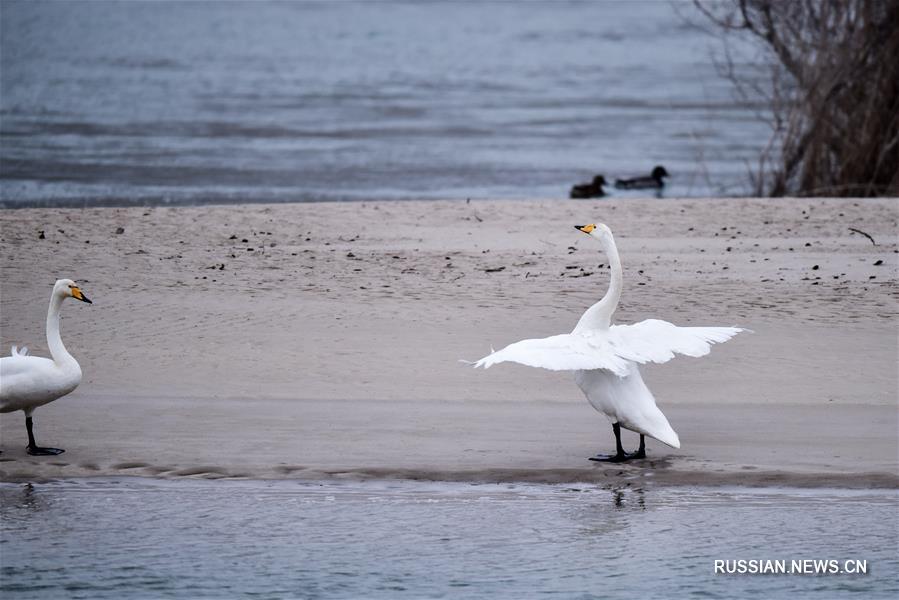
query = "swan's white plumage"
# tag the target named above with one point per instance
(32, 381)
(566, 352)
(627, 401)
(647, 341)
(605, 357)
(27, 382)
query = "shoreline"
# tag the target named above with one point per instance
(290, 340)
(158, 202)
(843, 446)
(775, 481)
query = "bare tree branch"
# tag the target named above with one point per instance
(834, 92)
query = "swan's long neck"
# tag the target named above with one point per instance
(58, 351)
(599, 316)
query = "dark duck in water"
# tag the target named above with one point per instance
(653, 181)
(589, 190)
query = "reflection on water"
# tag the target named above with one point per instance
(195, 102)
(142, 538)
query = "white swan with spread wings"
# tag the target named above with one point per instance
(605, 358)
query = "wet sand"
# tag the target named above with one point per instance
(317, 340)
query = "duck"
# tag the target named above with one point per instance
(27, 382)
(653, 181)
(589, 190)
(605, 358)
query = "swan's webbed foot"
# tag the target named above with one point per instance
(620, 455)
(641, 451)
(612, 458)
(33, 449)
(39, 451)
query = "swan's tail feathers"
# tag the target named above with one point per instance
(666, 435)
(14, 351)
(654, 423)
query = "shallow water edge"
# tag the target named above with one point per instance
(605, 476)
(129, 537)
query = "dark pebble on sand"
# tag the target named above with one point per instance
(120, 230)
(878, 263)
(815, 268)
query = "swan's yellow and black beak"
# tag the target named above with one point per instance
(585, 228)
(77, 294)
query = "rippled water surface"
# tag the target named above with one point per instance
(116, 538)
(145, 102)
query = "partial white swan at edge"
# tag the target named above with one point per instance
(27, 382)
(605, 358)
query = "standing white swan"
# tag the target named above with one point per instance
(604, 358)
(27, 382)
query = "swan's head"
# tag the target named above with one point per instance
(68, 288)
(597, 230)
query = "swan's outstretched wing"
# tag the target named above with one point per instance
(567, 352)
(648, 341)
(658, 341)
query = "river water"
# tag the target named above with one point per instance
(150, 103)
(139, 538)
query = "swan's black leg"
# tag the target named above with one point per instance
(619, 455)
(35, 450)
(641, 452)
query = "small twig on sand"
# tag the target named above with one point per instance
(864, 234)
(479, 219)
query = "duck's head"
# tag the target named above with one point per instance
(597, 230)
(68, 288)
(599, 180)
(659, 172)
